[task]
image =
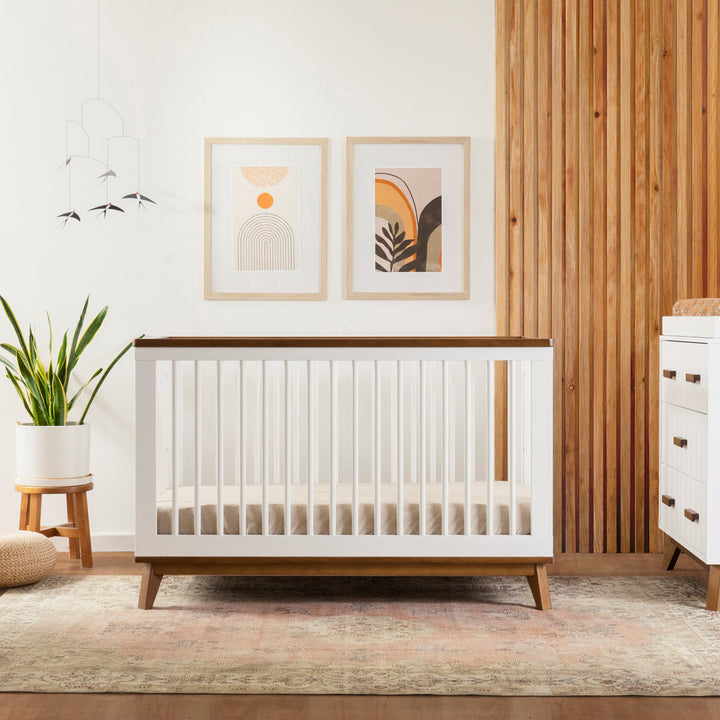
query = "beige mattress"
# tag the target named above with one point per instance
(343, 505)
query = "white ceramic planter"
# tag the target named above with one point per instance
(52, 455)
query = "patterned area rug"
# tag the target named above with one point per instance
(474, 636)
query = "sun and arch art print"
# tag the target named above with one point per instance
(265, 219)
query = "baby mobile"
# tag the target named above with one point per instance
(101, 159)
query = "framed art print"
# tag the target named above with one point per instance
(265, 219)
(408, 233)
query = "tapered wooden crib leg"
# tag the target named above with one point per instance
(149, 587)
(671, 554)
(539, 585)
(713, 594)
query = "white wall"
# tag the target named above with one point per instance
(182, 70)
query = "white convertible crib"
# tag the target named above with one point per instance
(343, 456)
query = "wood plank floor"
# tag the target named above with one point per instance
(28, 706)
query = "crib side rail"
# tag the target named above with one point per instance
(426, 472)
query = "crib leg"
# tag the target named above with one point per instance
(149, 587)
(539, 585)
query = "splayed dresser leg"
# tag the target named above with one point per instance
(149, 587)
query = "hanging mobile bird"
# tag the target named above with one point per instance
(87, 151)
(104, 209)
(142, 199)
(69, 215)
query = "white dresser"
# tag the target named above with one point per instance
(690, 443)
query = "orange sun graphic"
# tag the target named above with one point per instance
(265, 200)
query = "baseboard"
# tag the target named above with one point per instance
(104, 542)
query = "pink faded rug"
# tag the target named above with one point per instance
(604, 636)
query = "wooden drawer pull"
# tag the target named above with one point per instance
(692, 378)
(669, 501)
(692, 515)
(670, 374)
(680, 442)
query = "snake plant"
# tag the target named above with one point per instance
(44, 389)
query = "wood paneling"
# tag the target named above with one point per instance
(607, 211)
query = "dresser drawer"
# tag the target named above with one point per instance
(683, 443)
(684, 374)
(683, 510)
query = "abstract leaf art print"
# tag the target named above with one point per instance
(408, 220)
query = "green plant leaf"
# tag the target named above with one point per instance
(30, 381)
(50, 340)
(59, 402)
(62, 367)
(13, 321)
(16, 385)
(72, 400)
(76, 336)
(102, 380)
(89, 334)
(8, 365)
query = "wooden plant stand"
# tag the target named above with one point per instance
(670, 557)
(76, 529)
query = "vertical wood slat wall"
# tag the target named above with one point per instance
(607, 211)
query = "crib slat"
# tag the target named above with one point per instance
(197, 395)
(490, 427)
(312, 445)
(400, 447)
(446, 446)
(265, 448)
(512, 443)
(220, 452)
(422, 444)
(469, 443)
(355, 447)
(288, 449)
(175, 456)
(334, 444)
(378, 453)
(240, 443)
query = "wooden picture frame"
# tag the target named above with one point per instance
(265, 218)
(420, 186)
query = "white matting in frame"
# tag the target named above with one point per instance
(265, 219)
(376, 234)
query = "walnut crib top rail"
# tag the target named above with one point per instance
(339, 342)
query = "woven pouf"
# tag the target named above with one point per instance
(25, 557)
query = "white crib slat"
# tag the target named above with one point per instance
(334, 444)
(312, 445)
(220, 452)
(240, 444)
(400, 448)
(469, 443)
(446, 446)
(512, 443)
(378, 453)
(175, 456)
(422, 444)
(197, 394)
(355, 447)
(288, 449)
(265, 448)
(490, 426)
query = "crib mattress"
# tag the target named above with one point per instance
(343, 509)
